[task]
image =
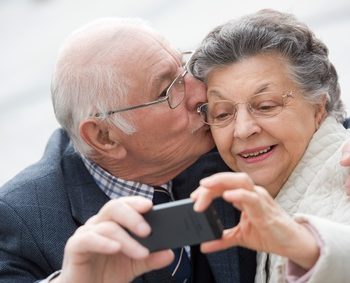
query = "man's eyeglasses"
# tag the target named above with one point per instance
(173, 94)
(222, 112)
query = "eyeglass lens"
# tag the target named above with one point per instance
(261, 105)
(176, 91)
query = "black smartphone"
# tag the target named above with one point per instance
(175, 224)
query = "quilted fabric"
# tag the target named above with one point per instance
(315, 187)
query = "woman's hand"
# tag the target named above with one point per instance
(345, 161)
(264, 225)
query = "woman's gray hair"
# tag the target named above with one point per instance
(87, 79)
(268, 31)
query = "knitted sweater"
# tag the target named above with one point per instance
(316, 188)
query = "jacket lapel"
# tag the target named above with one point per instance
(85, 197)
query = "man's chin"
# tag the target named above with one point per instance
(201, 128)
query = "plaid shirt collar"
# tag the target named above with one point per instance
(116, 187)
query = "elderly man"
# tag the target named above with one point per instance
(127, 108)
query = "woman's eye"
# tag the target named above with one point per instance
(266, 106)
(222, 116)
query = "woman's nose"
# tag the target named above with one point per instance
(245, 124)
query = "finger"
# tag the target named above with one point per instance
(229, 239)
(204, 197)
(111, 230)
(137, 203)
(214, 186)
(155, 260)
(255, 205)
(117, 210)
(258, 209)
(194, 194)
(84, 243)
(345, 159)
(129, 246)
(347, 185)
(227, 180)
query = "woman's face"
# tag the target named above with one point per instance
(267, 148)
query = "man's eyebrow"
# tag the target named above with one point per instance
(159, 79)
(166, 72)
(164, 75)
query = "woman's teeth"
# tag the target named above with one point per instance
(254, 154)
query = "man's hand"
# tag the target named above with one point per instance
(103, 251)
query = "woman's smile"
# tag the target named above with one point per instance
(256, 154)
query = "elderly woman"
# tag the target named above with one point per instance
(275, 113)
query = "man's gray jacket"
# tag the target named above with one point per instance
(44, 204)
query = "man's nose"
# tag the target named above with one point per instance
(245, 124)
(195, 92)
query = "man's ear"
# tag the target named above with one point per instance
(98, 136)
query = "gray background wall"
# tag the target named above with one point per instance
(31, 32)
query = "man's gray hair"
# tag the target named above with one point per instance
(268, 31)
(88, 80)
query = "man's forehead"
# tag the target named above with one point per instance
(166, 70)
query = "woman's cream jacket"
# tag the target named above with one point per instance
(316, 188)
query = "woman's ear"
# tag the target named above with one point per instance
(97, 135)
(320, 112)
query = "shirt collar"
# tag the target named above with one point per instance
(115, 187)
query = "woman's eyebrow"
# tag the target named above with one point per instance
(262, 88)
(215, 93)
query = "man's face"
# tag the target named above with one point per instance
(167, 140)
